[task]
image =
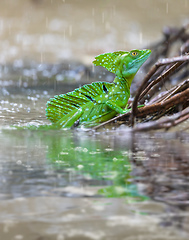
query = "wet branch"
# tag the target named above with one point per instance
(164, 123)
(163, 106)
(177, 99)
(164, 70)
(165, 75)
(141, 92)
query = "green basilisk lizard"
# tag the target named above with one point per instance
(99, 101)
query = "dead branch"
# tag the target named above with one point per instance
(168, 102)
(176, 89)
(177, 99)
(164, 123)
(157, 107)
(171, 35)
(176, 60)
(162, 77)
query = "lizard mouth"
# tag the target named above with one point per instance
(142, 58)
(145, 56)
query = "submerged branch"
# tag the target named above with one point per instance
(164, 123)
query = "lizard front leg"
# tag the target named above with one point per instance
(116, 108)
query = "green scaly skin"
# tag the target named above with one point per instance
(100, 101)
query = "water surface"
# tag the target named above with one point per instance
(78, 184)
(73, 184)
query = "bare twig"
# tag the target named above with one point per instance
(160, 78)
(163, 106)
(166, 95)
(172, 100)
(176, 60)
(177, 35)
(179, 98)
(164, 123)
(171, 35)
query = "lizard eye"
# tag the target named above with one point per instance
(134, 54)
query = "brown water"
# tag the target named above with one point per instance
(112, 185)
(74, 184)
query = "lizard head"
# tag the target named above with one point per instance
(128, 64)
(123, 64)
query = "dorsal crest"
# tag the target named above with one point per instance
(108, 60)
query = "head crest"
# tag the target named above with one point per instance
(108, 60)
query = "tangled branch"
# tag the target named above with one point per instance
(174, 100)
